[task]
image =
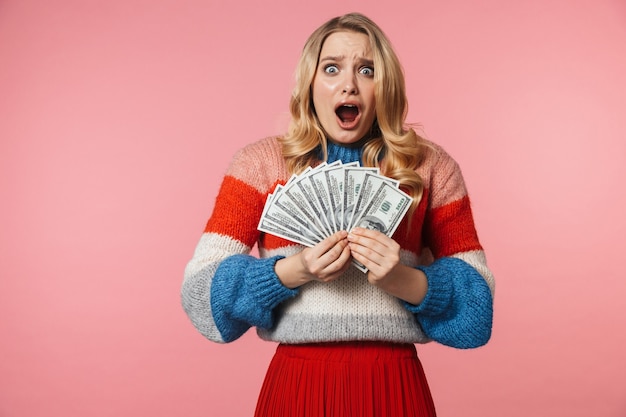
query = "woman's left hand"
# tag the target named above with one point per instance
(381, 256)
(379, 253)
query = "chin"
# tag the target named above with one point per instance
(346, 139)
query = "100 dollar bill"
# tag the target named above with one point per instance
(385, 210)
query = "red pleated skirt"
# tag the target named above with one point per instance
(355, 379)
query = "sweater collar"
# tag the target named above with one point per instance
(345, 154)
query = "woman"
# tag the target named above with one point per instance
(346, 338)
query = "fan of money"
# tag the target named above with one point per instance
(331, 197)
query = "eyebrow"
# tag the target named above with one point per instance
(339, 58)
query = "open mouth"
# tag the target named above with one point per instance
(347, 113)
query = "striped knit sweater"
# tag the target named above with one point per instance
(226, 291)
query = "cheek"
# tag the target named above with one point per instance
(316, 93)
(321, 99)
(324, 89)
(371, 96)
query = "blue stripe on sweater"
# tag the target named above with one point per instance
(344, 154)
(458, 308)
(244, 292)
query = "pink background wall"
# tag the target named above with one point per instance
(118, 119)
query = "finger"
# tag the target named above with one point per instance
(377, 257)
(368, 233)
(335, 251)
(337, 267)
(376, 269)
(364, 254)
(320, 258)
(378, 243)
(329, 243)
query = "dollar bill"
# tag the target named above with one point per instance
(300, 195)
(276, 215)
(318, 183)
(308, 194)
(283, 204)
(334, 184)
(371, 183)
(352, 182)
(385, 210)
(289, 232)
(267, 226)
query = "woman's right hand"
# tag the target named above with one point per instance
(323, 262)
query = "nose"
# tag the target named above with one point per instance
(350, 85)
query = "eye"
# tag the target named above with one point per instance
(331, 69)
(367, 71)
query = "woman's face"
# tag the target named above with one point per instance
(343, 87)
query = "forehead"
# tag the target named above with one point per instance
(347, 44)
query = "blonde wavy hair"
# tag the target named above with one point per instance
(394, 147)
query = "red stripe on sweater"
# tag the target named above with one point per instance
(239, 206)
(449, 229)
(409, 234)
(274, 242)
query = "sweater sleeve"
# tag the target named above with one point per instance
(249, 299)
(457, 310)
(225, 291)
